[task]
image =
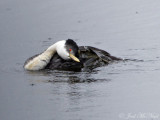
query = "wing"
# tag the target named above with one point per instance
(92, 52)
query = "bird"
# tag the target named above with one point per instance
(67, 55)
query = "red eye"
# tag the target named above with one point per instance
(70, 50)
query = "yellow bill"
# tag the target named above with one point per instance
(74, 58)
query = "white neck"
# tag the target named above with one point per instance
(40, 62)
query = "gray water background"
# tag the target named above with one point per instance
(124, 28)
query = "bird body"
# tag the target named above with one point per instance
(90, 58)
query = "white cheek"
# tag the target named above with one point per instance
(61, 50)
(63, 54)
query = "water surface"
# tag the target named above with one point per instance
(126, 29)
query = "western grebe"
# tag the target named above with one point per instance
(66, 55)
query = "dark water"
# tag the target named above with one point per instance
(123, 90)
